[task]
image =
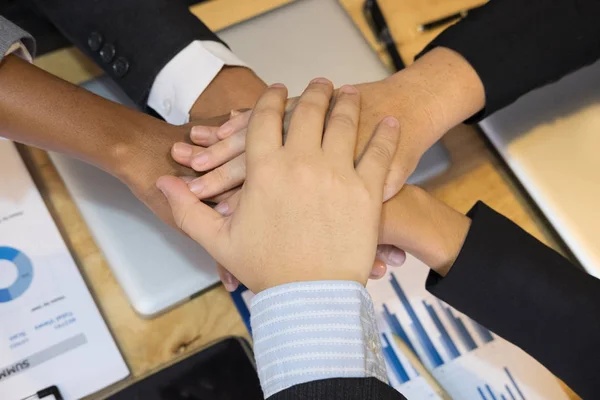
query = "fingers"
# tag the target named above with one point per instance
(220, 179)
(266, 123)
(230, 282)
(404, 163)
(308, 119)
(204, 135)
(219, 153)
(227, 207)
(375, 163)
(340, 136)
(221, 197)
(238, 121)
(184, 153)
(390, 255)
(378, 270)
(192, 216)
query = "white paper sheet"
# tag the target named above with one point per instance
(51, 332)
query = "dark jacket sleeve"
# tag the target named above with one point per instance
(132, 40)
(516, 46)
(530, 295)
(340, 389)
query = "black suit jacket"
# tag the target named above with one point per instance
(516, 46)
(131, 40)
(519, 288)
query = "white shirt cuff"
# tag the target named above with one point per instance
(20, 50)
(179, 84)
(307, 331)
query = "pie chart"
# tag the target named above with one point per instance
(24, 274)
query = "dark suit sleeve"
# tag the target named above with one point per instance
(145, 36)
(530, 295)
(340, 389)
(516, 46)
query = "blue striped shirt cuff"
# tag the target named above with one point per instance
(309, 331)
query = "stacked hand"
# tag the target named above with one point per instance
(304, 212)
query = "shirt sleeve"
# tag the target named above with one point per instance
(179, 84)
(14, 40)
(516, 46)
(309, 331)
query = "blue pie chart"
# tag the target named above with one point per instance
(24, 274)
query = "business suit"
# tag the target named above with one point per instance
(10, 34)
(130, 40)
(516, 46)
(519, 288)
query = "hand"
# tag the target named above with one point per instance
(145, 156)
(431, 96)
(305, 212)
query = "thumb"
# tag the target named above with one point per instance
(192, 216)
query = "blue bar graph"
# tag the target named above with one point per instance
(492, 396)
(460, 328)
(396, 327)
(447, 341)
(393, 360)
(483, 333)
(489, 389)
(426, 343)
(481, 393)
(512, 380)
(512, 396)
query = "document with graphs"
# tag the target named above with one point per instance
(51, 332)
(433, 352)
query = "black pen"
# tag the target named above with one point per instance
(442, 21)
(382, 33)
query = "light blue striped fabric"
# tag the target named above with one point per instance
(309, 331)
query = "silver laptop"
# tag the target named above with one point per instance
(551, 141)
(156, 266)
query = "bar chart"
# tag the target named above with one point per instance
(510, 391)
(466, 359)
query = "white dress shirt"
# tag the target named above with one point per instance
(308, 331)
(20, 50)
(186, 76)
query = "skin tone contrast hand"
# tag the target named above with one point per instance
(305, 211)
(437, 92)
(41, 110)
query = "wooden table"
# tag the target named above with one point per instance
(150, 345)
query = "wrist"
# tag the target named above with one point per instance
(232, 88)
(425, 227)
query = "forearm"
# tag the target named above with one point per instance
(425, 227)
(41, 110)
(233, 88)
(437, 92)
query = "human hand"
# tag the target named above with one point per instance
(429, 97)
(305, 212)
(145, 156)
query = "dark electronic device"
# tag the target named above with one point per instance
(223, 371)
(381, 30)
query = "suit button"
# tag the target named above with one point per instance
(107, 53)
(95, 41)
(120, 67)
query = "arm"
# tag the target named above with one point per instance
(39, 109)
(516, 47)
(494, 272)
(315, 334)
(160, 54)
(483, 63)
